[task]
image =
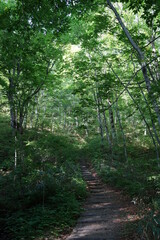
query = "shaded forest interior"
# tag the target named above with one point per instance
(79, 80)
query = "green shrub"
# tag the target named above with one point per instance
(138, 177)
(44, 193)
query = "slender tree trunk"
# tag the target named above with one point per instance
(106, 127)
(107, 130)
(148, 106)
(13, 118)
(36, 111)
(99, 116)
(44, 109)
(150, 113)
(36, 117)
(25, 118)
(155, 63)
(141, 112)
(21, 119)
(111, 117)
(87, 128)
(64, 118)
(122, 132)
(52, 118)
(141, 57)
(32, 117)
(10, 95)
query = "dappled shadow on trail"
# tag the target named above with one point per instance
(105, 212)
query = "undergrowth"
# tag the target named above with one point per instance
(138, 177)
(43, 194)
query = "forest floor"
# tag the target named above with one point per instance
(107, 212)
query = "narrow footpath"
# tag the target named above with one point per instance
(105, 212)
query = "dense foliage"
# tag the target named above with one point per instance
(44, 192)
(78, 80)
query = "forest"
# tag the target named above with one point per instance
(79, 82)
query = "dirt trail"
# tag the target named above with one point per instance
(105, 212)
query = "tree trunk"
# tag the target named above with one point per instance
(155, 63)
(150, 113)
(147, 104)
(106, 127)
(141, 57)
(111, 117)
(121, 128)
(10, 96)
(141, 112)
(99, 115)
